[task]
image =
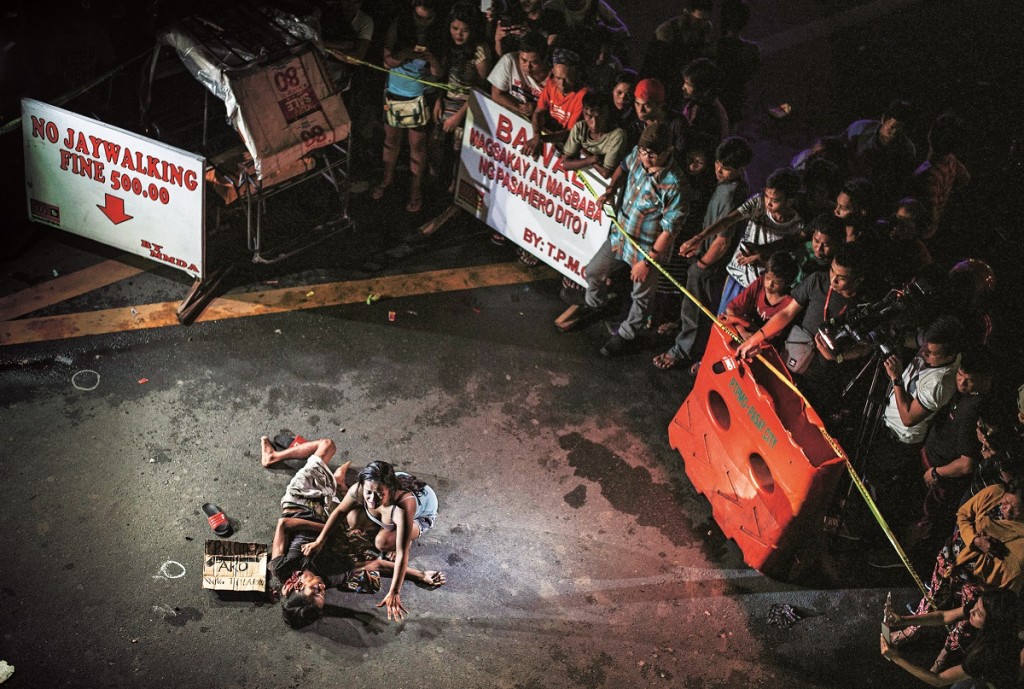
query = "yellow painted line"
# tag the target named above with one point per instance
(164, 314)
(65, 287)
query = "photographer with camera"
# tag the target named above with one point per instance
(926, 385)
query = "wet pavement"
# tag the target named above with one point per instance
(576, 551)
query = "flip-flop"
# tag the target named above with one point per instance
(286, 439)
(378, 191)
(218, 521)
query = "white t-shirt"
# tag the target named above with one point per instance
(761, 228)
(932, 388)
(507, 77)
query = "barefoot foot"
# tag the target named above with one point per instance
(267, 452)
(339, 476)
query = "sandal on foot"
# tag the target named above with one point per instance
(898, 637)
(218, 521)
(527, 259)
(286, 439)
(378, 191)
(668, 328)
(665, 361)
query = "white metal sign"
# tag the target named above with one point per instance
(534, 202)
(113, 186)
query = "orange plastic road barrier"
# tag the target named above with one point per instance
(755, 449)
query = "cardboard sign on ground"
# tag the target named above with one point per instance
(234, 566)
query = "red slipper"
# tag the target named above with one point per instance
(218, 521)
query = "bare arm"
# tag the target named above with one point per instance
(935, 618)
(911, 411)
(690, 246)
(347, 504)
(583, 161)
(534, 143)
(719, 245)
(616, 183)
(403, 540)
(773, 327)
(502, 98)
(961, 466)
(286, 525)
(942, 679)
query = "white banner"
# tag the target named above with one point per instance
(113, 186)
(534, 202)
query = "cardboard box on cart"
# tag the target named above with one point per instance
(287, 108)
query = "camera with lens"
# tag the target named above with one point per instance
(882, 323)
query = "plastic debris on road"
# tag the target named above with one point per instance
(783, 615)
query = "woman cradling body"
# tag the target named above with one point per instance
(402, 507)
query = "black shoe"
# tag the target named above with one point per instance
(616, 346)
(572, 295)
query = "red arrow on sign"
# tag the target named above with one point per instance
(113, 208)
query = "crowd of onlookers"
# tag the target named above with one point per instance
(848, 260)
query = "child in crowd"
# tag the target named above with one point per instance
(772, 223)
(766, 296)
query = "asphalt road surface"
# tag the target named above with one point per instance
(576, 551)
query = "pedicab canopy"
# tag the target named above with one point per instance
(266, 66)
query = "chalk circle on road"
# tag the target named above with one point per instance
(169, 566)
(74, 380)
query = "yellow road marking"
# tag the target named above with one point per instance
(164, 314)
(65, 287)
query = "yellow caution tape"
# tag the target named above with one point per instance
(363, 63)
(861, 488)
